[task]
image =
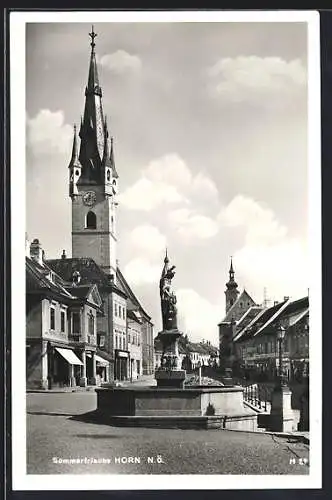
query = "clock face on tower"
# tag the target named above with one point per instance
(89, 198)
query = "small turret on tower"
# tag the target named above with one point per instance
(75, 167)
(231, 288)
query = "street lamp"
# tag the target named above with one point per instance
(280, 336)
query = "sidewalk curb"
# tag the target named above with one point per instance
(58, 391)
(298, 437)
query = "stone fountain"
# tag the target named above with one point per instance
(171, 403)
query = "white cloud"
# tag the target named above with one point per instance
(47, 133)
(148, 239)
(140, 271)
(197, 316)
(260, 223)
(281, 267)
(204, 187)
(190, 225)
(120, 62)
(146, 195)
(269, 257)
(167, 180)
(245, 78)
(169, 169)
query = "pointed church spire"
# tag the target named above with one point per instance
(231, 283)
(231, 288)
(92, 131)
(115, 174)
(74, 162)
(231, 270)
(93, 80)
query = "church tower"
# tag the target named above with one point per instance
(93, 180)
(231, 289)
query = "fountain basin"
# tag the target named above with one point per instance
(151, 401)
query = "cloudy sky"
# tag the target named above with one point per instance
(209, 121)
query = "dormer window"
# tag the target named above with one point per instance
(91, 220)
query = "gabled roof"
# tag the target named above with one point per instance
(257, 322)
(88, 292)
(89, 271)
(248, 316)
(266, 321)
(293, 320)
(38, 279)
(289, 310)
(229, 316)
(132, 299)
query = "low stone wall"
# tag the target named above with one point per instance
(154, 401)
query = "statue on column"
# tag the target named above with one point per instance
(168, 297)
(169, 374)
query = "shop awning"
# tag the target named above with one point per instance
(101, 361)
(69, 356)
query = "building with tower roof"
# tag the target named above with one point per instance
(237, 303)
(248, 335)
(124, 331)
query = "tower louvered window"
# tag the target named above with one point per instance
(91, 220)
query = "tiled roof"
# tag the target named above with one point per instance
(288, 310)
(249, 316)
(258, 321)
(37, 280)
(132, 299)
(267, 320)
(89, 271)
(229, 316)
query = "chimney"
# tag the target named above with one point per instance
(286, 297)
(63, 256)
(36, 252)
(276, 302)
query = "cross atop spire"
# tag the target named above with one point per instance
(92, 35)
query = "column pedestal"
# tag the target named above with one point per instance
(169, 374)
(281, 416)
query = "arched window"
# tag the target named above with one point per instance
(108, 175)
(91, 220)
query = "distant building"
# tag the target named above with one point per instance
(248, 335)
(192, 355)
(255, 342)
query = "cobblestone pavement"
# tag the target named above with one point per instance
(56, 433)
